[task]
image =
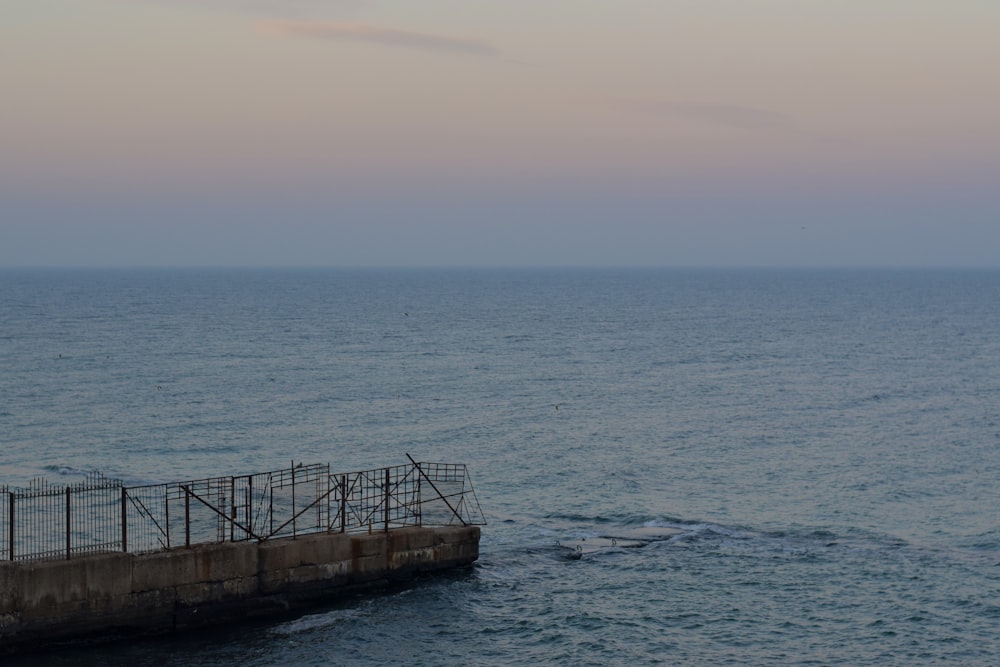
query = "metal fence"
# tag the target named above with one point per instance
(103, 515)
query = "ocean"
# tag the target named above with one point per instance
(810, 458)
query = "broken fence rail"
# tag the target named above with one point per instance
(99, 515)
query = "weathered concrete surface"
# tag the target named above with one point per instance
(113, 594)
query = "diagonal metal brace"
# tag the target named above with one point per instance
(305, 509)
(437, 491)
(144, 511)
(215, 509)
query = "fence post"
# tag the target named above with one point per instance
(385, 507)
(10, 525)
(232, 512)
(249, 497)
(68, 547)
(294, 531)
(187, 518)
(319, 507)
(343, 506)
(124, 521)
(166, 512)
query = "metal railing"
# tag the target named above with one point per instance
(101, 515)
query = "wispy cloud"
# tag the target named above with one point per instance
(284, 8)
(729, 115)
(389, 36)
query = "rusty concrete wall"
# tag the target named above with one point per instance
(116, 594)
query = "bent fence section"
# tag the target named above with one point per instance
(100, 515)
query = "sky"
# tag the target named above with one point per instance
(786, 133)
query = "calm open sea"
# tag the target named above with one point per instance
(826, 442)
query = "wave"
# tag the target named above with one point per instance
(598, 534)
(67, 470)
(320, 621)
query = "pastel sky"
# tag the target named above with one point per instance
(499, 133)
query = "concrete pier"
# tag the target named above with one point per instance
(115, 594)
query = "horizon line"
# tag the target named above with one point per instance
(498, 267)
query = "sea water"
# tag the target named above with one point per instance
(810, 457)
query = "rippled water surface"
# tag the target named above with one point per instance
(797, 467)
